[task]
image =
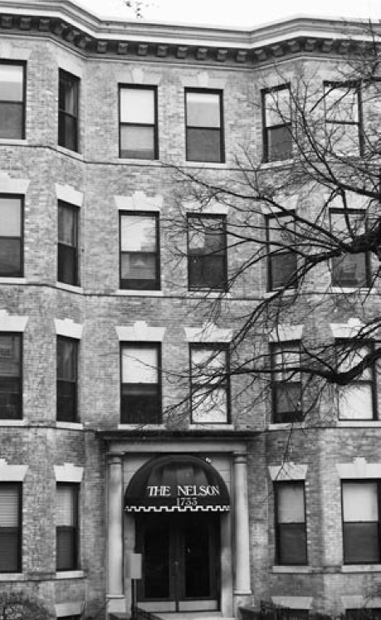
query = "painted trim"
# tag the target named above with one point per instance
(12, 322)
(140, 332)
(208, 333)
(12, 473)
(286, 332)
(68, 328)
(68, 473)
(67, 193)
(346, 330)
(288, 471)
(139, 201)
(359, 468)
(8, 185)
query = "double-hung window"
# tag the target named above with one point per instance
(204, 126)
(141, 383)
(343, 117)
(68, 110)
(10, 527)
(282, 259)
(276, 112)
(12, 100)
(10, 376)
(209, 383)
(67, 529)
(67, 362)
(349, 270)
(207, 252)
(138, 122)
(290, 523)
(139, 251)
(361, 521)
(286, 382)
(68, 271)
(357, 400)
(11, 236)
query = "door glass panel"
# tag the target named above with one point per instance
(156, 560)
(197, 558)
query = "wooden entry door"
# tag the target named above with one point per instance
(180, 560)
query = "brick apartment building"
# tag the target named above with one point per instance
(94, 310)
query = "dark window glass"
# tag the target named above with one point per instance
(282, 260)
(361, 522)
(12, 100)
(343, 118)
(138, 123)
(141, 384)
(67, 244)
(67, 527)
(10, 527)
(290, 523)
(204, 140)
(10, 377)
(68, 105)
(209, 384)
(349, 270)
(277, 124)
(357, 400)
(207, 261)
(11, 242)
(286, 382)
(67, 353)
(363, 613)
(139, 252)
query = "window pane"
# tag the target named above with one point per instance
(10, 550)
(203, 109)
(10, 258)
(138, 233)
(9, 506)
(209, 401)
(279, 143)
(140, 365)
(210, 406)
(67, 225)
(66, 548)
(65, 505)
(68, 93)
(277, 107)
(290, 498)
(341, 104)
(204, 145)
(283, 270)
(361, 543)
(139, 270)
(360, 501)
(68, 131)
(137, 142)
(140, 403)
(292, 544)
(137, 106)
(66, 359)
(11, 120)
(288, 402)
(10, 531)
(207, 272)
(349, 270)
(11, 82)
(356, 402)
(10, 217)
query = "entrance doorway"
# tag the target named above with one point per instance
(181, 568)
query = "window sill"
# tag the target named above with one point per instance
(12, 280)
(277, 163)
(65, 151)
(354, 289)
(286, 291)
(69, 287)
(12, 423)
(357, 423)
(139, 293)
(12, 577)
(208, 293)
(75, 426)
(206, 164)
(361, 568)
(291, 569)
(285, 426)
(13, 141)
(70, 574)
(139, 162)
(147, 427)
(211, 426)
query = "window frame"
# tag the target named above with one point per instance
(220, 129)
(62, 247)
(23, 65)
(223, 286)
(362, 482)
(346, 213)
(63, 114)
(218, 348)
(75, 543)
(61, 383)
(356, 86)
(372, 383)
(19, 335)
(19, 528)
(291, 284)
(153, 215)
(154, 125)
(266, 128)
(278, 525)
(124, 414)
(21, 198)
(276, 348)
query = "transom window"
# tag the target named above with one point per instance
(204, 135)
(291, 532)
(138, 122)
(357, 400)
(343, 117)
(349, 270)
(10, 377)
(286, 382)
(12, 100)
(207, 255)
(282, 259)
(139, 260)
(11, 236)
(68, 110)
(277, 123)
(67, 530)
(361, 522)
(10, 527)
(67, 361)
(141, 384)
(209, 383)
(68, 244)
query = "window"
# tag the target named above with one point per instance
(12, 100)
(363, 613)
(68, 244)
(286, 382)
(67, 530)
(10, 376)
(209, 384)
(357, 400)
(361, 522)
(10, 527)
(139, 260)
(277, 123)
(141, 384)
(11, 237)
(204, 138)
(291, 532)
(349, 270)
(68, 107)
(207, 260)
(67, 357)
(138, 123)
(343, 117)
(282, 259)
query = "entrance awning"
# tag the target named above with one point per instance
(177, 483)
